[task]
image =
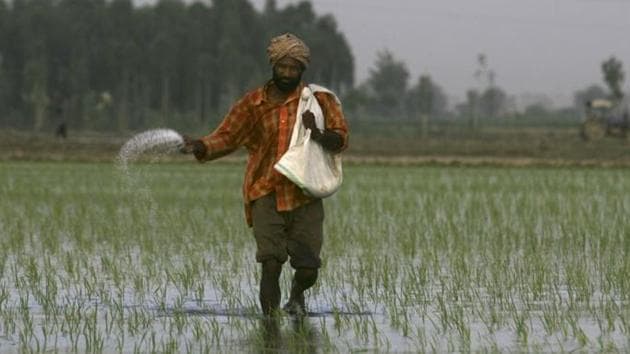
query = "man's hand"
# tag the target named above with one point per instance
(308, 120)
(194, 146)
(328, 139)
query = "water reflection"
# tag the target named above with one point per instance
(295, 334)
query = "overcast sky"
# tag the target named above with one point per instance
(534, 46)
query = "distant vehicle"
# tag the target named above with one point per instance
(604, 117)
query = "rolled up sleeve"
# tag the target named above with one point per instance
(334, 119)
(232, 133)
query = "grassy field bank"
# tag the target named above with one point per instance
(415, 258)
(499, 146)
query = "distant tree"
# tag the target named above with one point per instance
(168, 22)
(112, 65)
(535, 110)
(425, 101)
(590, 93)
(426, 97)
(356, 102)
(423, 94)
(387, 84)
(239, 50)
(13, 55)
(493, 102)
(4, 13)
(614, 76)
(204, 63)
(36, 94)
(330, 46)
(484, 74)
(471, 108)
(271, 8)
(5, 87)
(126, 57)
(78, 61)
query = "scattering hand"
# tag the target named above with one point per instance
(194, 146)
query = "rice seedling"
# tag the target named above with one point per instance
(415, 258)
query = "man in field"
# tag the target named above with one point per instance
(286, 222)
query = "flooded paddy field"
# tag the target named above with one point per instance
(159, 258)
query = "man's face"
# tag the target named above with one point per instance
(287, 74)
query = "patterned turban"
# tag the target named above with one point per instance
(288, 45)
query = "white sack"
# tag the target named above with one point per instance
(306, 163)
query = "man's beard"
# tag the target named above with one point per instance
(286, 84)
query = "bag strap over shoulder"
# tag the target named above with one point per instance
(317, 88)
(308, 101)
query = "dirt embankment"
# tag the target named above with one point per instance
(523, 147)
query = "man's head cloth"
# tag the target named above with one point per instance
(288, 45)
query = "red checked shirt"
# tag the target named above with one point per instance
(264, 129)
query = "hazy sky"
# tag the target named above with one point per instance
(534, 46)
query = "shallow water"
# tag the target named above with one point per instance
(435, 259)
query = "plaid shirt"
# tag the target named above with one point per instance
(264, 129)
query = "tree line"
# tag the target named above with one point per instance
(110, 65)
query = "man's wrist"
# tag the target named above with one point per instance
(330, 140)
(199, 149)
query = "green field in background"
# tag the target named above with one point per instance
(415, 258)
(507, 145)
